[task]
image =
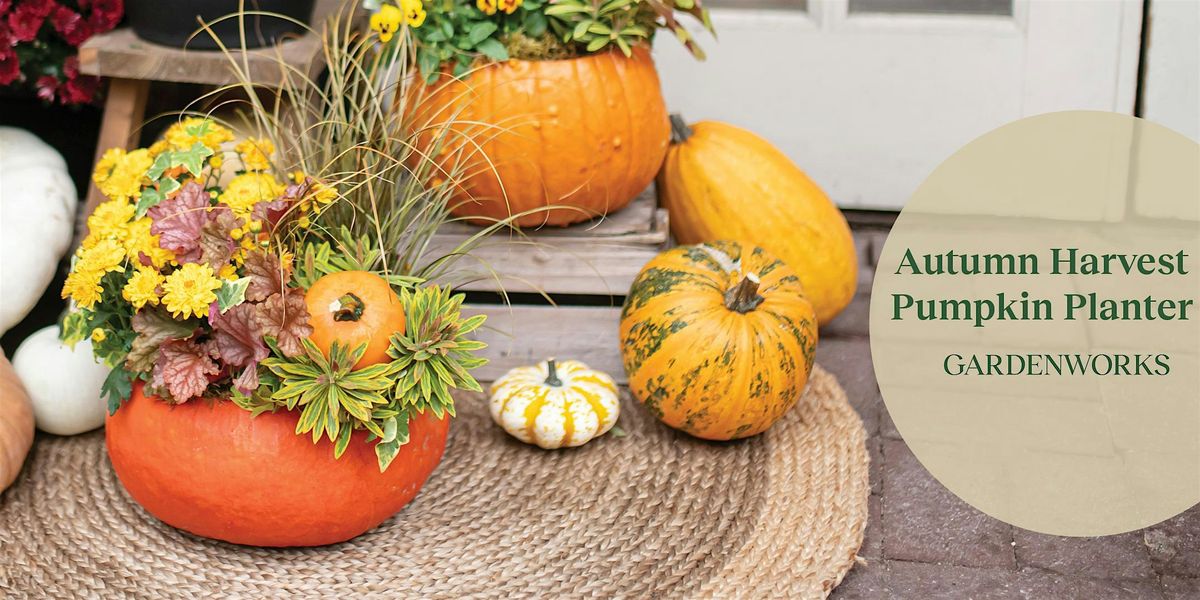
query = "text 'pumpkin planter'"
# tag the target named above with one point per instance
(210, 468)
(718, 339)
(587, 134)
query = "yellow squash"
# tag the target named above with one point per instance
(723, 182)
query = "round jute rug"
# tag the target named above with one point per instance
(652, 514)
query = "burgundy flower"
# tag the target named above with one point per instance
(71, 25)
(47, 85)
(4, 4)
(79, 90)
(105, 13)
(27, 18)
(10, 66)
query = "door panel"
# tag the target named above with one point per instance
(869, 102)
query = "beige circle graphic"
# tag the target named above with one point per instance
(1035, 328)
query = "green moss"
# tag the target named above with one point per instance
(544, 47)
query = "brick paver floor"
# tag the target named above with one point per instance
(922, 542)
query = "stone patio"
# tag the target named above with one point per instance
(922, 542)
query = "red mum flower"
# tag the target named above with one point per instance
(71, 25)
(10, 65)
(27, 18)
(105, 14)
(47, 85)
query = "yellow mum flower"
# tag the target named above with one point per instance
(142, 288)
(186, 133)
(256, 153)
(103, 257)
(190, 290)
(215, 161)
(159, 147)
(110, 219)
(248, 189)
(119, 174)
(508, 6)
(387, 22)
(98, 335)
(83, 287)
(139, 240)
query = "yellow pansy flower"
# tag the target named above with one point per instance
(487, 6)
(142, 288)
(255, 153)
(414, 12)
(190, 290)
(508, 6)
(386, 22)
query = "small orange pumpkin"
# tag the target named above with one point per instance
(352, 308)
(16, 423)
(586, 133)
(209, 467)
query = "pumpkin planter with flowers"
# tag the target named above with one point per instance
(281, 372)
(551, 110)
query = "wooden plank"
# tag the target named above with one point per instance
(523, 335)
(120, 53)
(590, 258)
(124, 109)
(637, 221)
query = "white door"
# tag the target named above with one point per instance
(868, 96)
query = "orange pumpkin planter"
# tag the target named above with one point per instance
(353, 307)
(210, 468)
(587, 134)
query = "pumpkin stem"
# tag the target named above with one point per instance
(680, 131)
(347, 308)
(552, 379)
(744, 296)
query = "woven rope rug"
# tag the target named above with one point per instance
(653, 514)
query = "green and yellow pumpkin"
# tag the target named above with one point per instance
(717, 339)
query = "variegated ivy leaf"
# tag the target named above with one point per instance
(232, 293)
(192, 159)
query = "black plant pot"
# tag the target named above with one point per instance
(172, 22)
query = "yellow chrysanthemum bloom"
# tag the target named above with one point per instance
(119, 174)
(508, 6)
(387, 22)
(110, 219)
(98, 335)
(487, 6)
(104, 256)
(215, 161)
(185, 133)
(83, 287)
(190, 290)
(256, 153)
(228, 272)
(158, 147)
(139, 240)
(142, 288)
(248, 189)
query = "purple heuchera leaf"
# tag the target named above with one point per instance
(266, 275)
(216, 239)
(285, 318)
(183, 368)
(177, 221)
(238, 342)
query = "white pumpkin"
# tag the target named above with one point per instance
(555, 404)
(63, 384)
(37, 220)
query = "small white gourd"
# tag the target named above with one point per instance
(555, 404)
(37, 220)
(63, 384)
